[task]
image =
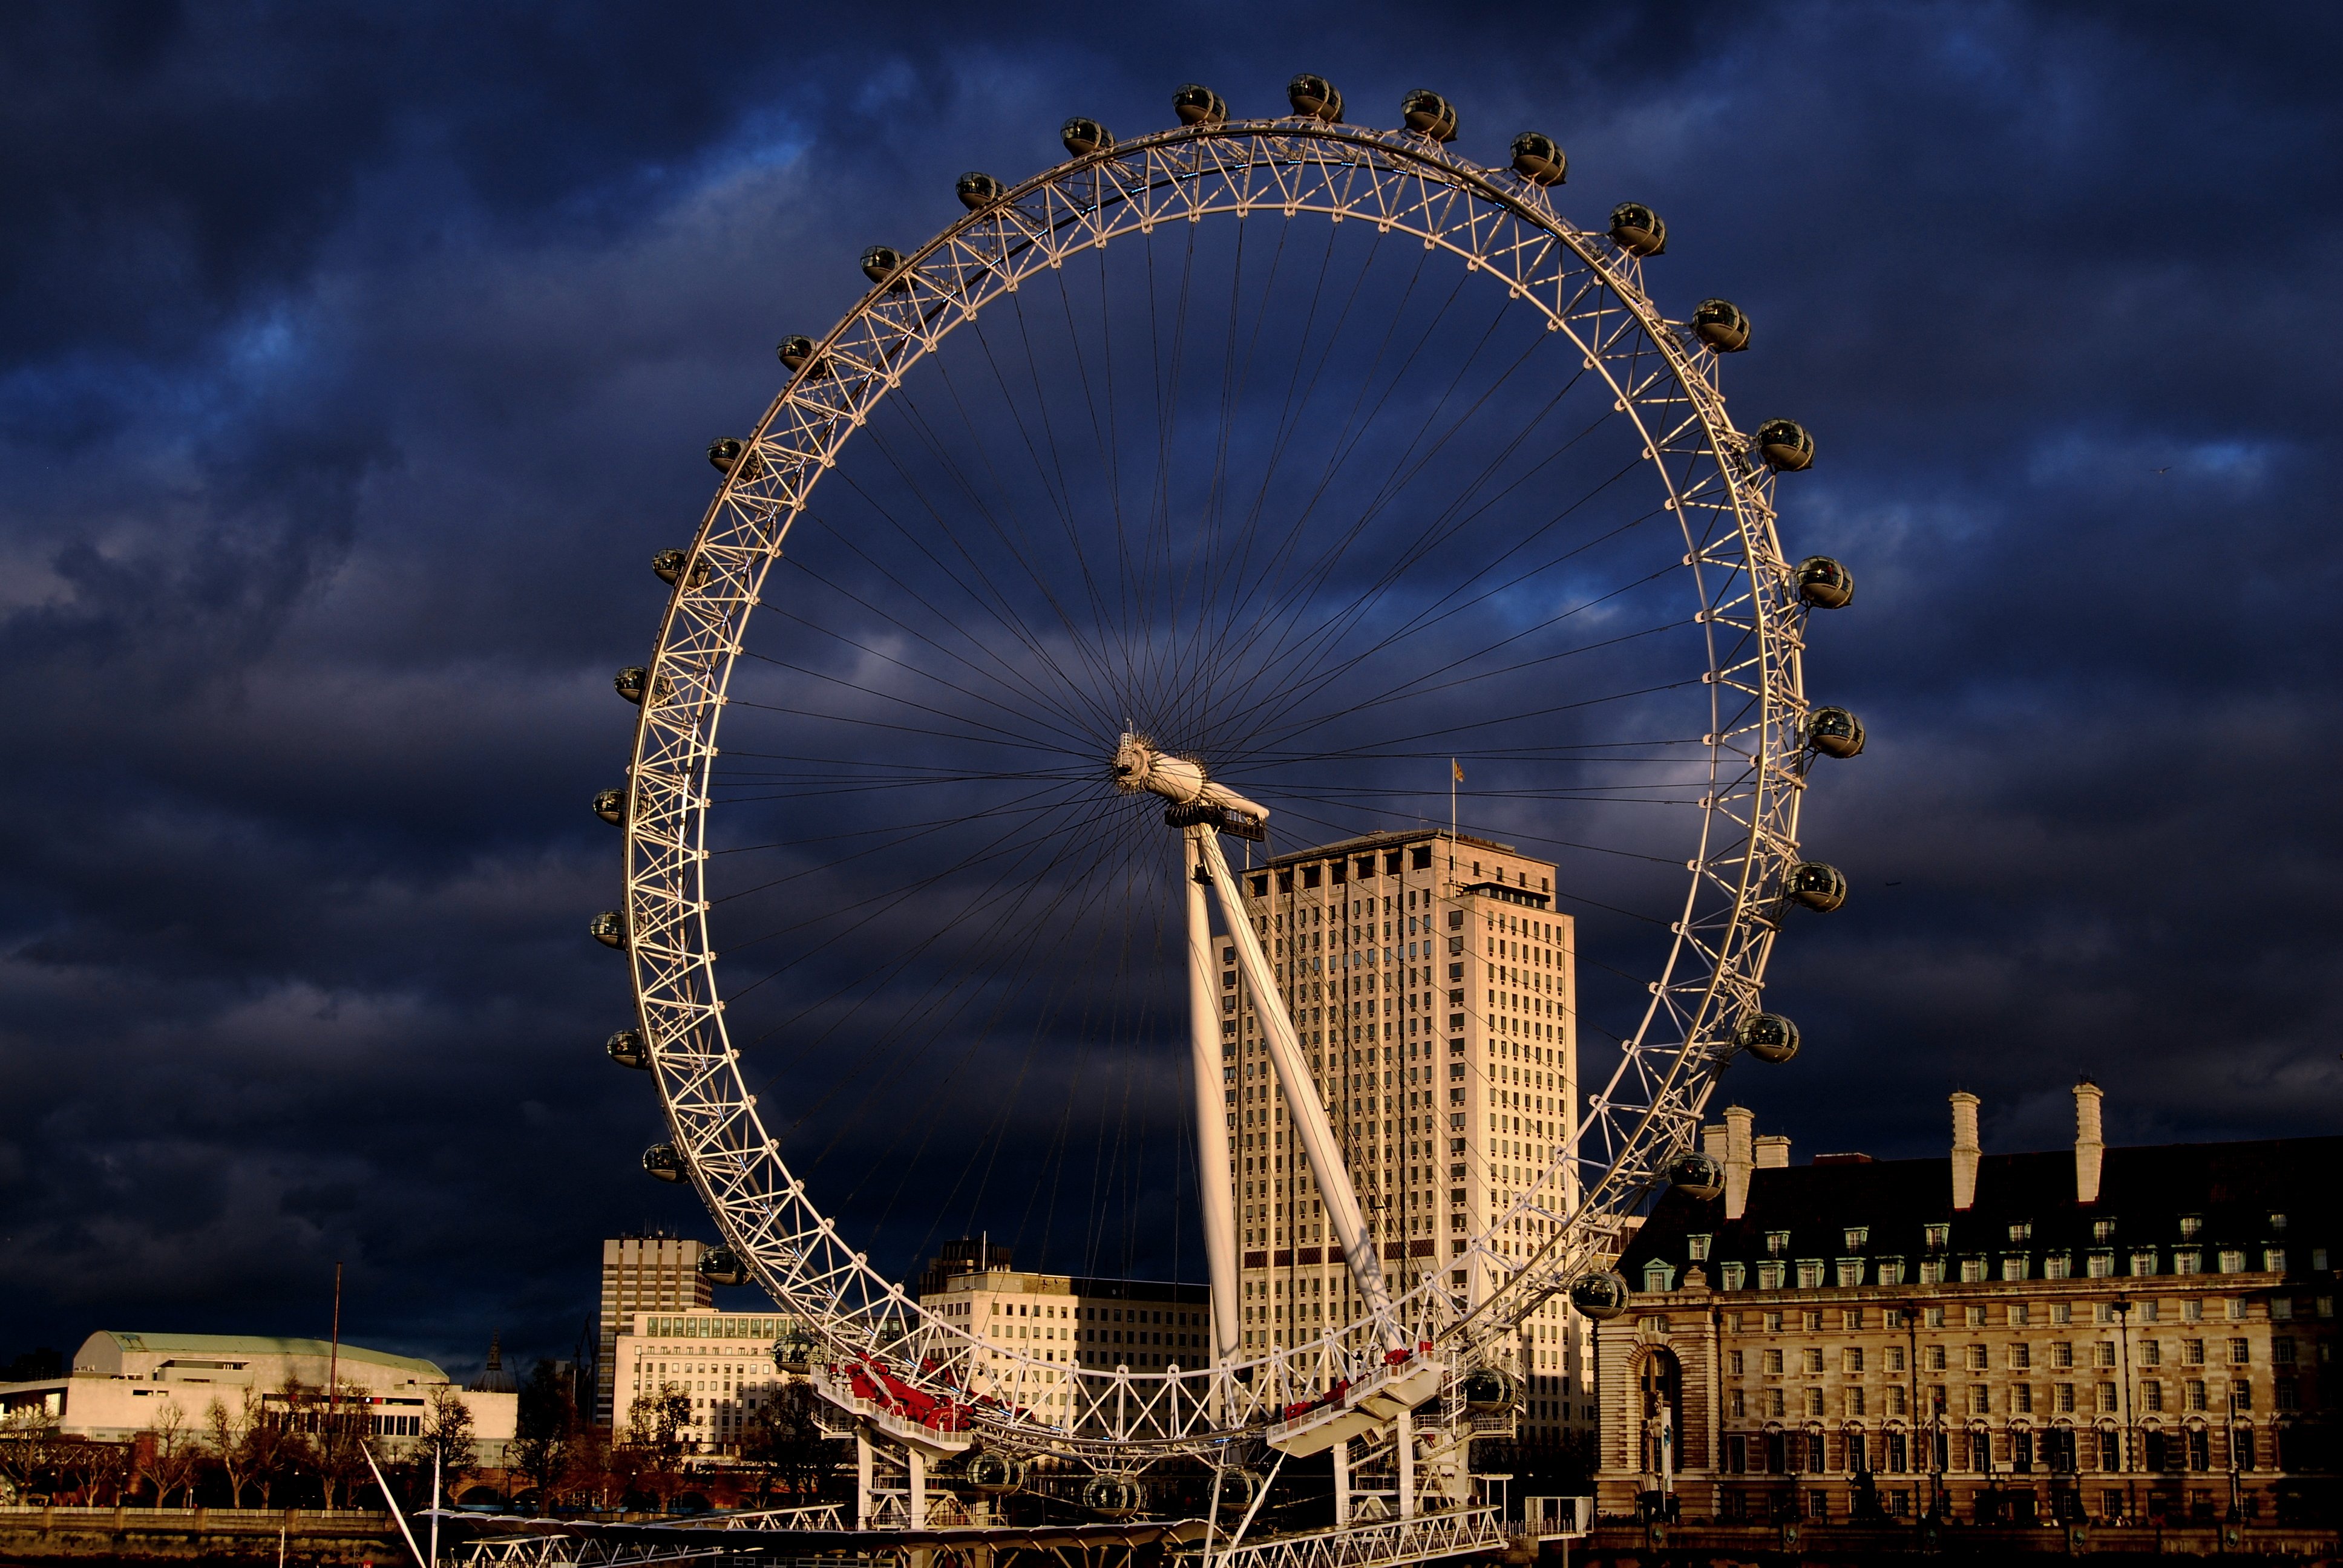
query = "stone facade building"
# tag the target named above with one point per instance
(2088, 1334)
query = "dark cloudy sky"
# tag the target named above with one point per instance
(355, 360)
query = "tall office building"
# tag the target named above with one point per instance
(652, 1271)
(1434, 986)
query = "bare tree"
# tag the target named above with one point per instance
(654, 1425)
(447, 1432)
(173, 1453)
(545, 1431)
(338, 1450)
(27, 1449)
(228, 1438)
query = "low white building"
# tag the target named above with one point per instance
(121, 1384)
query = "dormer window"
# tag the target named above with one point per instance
(2278, 1222)
(1939, 1235)
(2190, 1224)
(2103, 1230)
(1776, 1243)
(2022, 1232)
(1697, 1248)
(1858, 1238)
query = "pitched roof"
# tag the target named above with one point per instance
(2233, 1188)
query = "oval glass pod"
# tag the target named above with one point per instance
(1538, 160)
(1637, 229)
(976, 190)
(1720, 324)
(1115, 1496)
(797, 351)
(1825, 583)
(722, 1266)
(1786, 445)
(1697, 1175)
(1835, 732)
(1601, 1297)
(1429, 114)
(1767, 1036)
(1082, 137)
(1314, 98)
(1816, 886)
(1196, 105)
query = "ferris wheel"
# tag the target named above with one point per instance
(1219, 495)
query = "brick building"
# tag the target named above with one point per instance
(2095, 1334)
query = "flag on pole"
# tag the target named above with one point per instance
(1457, 768)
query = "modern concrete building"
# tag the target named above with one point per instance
(120, 1384)
(1435, 988)
(648, 1272)
(723, 1361)
(2088, 1334)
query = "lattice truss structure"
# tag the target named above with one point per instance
(1503, 229)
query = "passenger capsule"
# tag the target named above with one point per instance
(627, 1050)
(1697, 1175)
(1720, 324)
(1430, 114)
(664, 1160)
(1314, 98)
(610, 805)
(1601, 1297)
(722, 1266)
(1198, 105)
(1538, 160)
(978, 190)
(1489, 1388)
(797, 351)
(1835, 732)
(730, 455)
(1082, 137)
(1816, 886)
(1116, 1496)
(632, 682)
(996, 1473)
(1239, 1487)
(1767, 1036)
(1637, 229)
(608, 928)
(1824, 583)
(793, 1350)
(668, 565)
(1786, 445)
(883, 264)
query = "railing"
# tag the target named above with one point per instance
(818, 1516)
(1382, 1544)
(270, 1516)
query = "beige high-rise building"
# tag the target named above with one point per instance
(641, 1273)
(1433, 988)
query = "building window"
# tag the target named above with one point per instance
(1972, 1271)
(1938, 1235)
(1776, 1243)
(1858, 1238)
(1696, 1249)
(1810, 1273)
(1735, 1276)
(1814, 1401)
(1850, 1271)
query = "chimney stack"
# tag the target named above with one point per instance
(1966, 1151)
(2089, 1146)
(1773, 1151)
(1739, 1123)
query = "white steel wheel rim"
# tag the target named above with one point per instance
(1649, 1111)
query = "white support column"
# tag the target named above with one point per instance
(1326, 1162)
(1342, 1482)
(1403, 1432)
(917, 1464)
(1216, 1190)
(863, 1467)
